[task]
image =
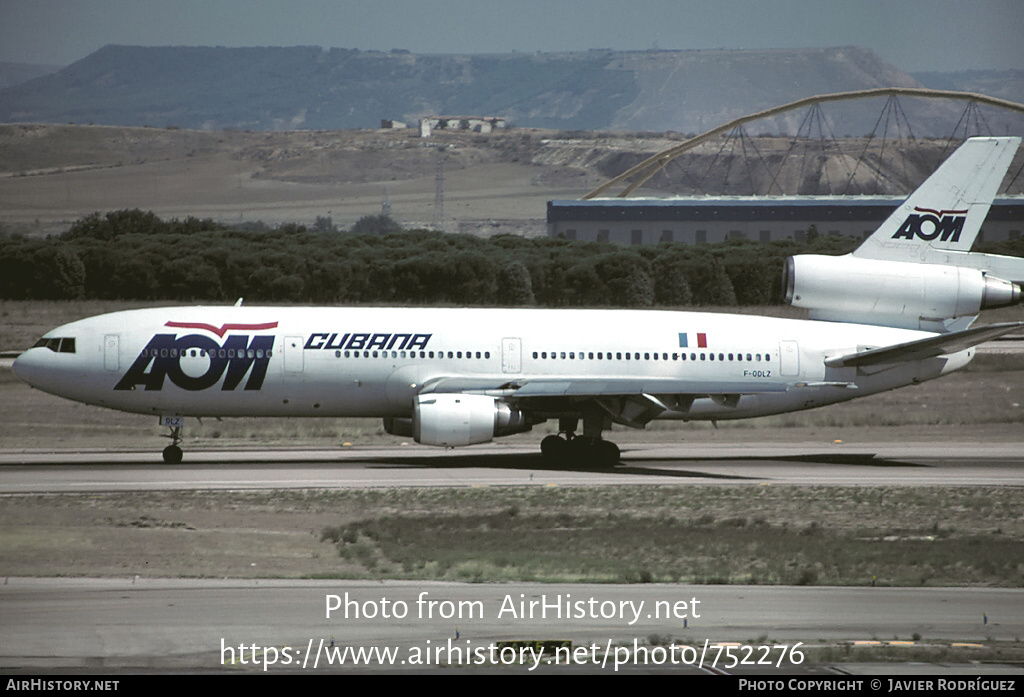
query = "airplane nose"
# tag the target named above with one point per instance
(27, 365)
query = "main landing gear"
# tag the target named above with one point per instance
(588, 449)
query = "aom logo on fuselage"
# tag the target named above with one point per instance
(928, 224)
(196, 362)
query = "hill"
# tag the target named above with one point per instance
(311, 88)
(12, 74)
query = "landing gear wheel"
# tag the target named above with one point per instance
(553, 447)
(607, 453)
(172, 453)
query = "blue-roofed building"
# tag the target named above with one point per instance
(694, 220)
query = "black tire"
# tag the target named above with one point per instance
(172, 455)
(553, 447)
(608, 453)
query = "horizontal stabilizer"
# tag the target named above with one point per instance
(924, 348)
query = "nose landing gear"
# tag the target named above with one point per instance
(172, 453)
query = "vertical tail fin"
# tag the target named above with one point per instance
(947, 210)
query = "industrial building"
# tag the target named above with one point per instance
(695, 220)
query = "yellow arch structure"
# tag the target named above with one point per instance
(654, 164)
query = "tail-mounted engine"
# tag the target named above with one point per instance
(891, 293)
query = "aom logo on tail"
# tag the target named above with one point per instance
(928, 224)
(197, 362)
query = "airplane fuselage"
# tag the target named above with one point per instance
(372, 362)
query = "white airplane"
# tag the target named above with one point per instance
(895, 312)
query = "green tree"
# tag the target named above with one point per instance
(515, 286)
(670, 285)
(710, 283)
(375, 225)
(59, 273)
(628, 278)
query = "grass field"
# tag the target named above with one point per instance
(630, 534)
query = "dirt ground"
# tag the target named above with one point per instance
(51, 176)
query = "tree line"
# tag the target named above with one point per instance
(134, 255)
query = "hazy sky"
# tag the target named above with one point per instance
(913, 35)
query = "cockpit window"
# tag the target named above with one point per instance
(57, 344)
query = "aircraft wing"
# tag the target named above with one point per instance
(924, 348)
(599, 387)
(630, 402)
